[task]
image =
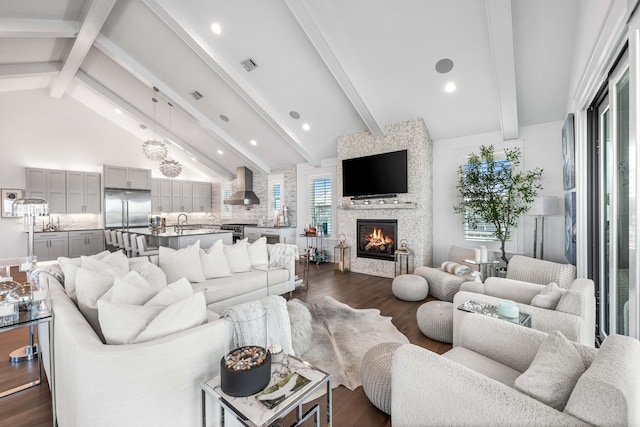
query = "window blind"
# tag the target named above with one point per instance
(320, 203)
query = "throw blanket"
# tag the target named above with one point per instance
(282, 254)
(275, 327)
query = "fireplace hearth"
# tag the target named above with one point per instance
(377, 238)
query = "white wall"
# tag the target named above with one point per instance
(541, 146)
(39, 131)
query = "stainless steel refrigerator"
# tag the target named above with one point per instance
(126, 208)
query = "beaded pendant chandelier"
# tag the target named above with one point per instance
(155, 150)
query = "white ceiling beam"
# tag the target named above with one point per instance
(120, 57)
(231, 78)
(33, 69)
(38, 28)
(96, 14)
(102, 91)
(328, 48)
(500, 23)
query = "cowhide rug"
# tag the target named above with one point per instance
(341, 336)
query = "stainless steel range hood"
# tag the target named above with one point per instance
(244, 194)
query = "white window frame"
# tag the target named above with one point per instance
(310, 213)
(272, 181)
(226, 211)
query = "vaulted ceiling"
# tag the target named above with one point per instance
(337, 66)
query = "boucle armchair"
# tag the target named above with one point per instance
(532, 270)
(574, 314)
(478, 382)
(442, 284)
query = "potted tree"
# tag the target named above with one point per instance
(496, 191)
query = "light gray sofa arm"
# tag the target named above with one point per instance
(429, 389)
(573, 327)
(539, 271)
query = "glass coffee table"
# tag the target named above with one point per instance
(252, 412)
(492, 311)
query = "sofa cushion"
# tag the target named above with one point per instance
(609, 391)
(172, 293)
(553, 373)
(276, 275)
(227, 287)
(116, 261)
(214, 261)
(91, 285)
(548, 298)
(482, 364)
(151, 272)
(133, 289)
(70, 267)
(238, 256)
(183, 262)
(258, 254)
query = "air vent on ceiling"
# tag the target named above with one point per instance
(142, 126)
(249, 64)
(196, 95)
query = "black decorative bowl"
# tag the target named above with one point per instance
(248, 378)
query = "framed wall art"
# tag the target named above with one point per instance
(9, 195)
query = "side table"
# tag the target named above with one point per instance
(251, 412)
(492, 311)
(483, 267)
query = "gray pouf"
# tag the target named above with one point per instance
(375, 373)
(410, 287)
(435, 320)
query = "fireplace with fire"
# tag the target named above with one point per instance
(377, 238)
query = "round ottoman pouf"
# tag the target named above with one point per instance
(435, 320)
(375, 372)
(410, 287)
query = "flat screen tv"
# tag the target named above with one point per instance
(380, 175)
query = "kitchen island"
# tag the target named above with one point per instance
(183, 238)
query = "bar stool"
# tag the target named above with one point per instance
(143, 249)
(133, 237)
(114, 239)
(107, 237)
(120, 240)
(126, 242)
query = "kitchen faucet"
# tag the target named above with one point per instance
(181, 224)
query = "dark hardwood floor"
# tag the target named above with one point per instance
(32, 407)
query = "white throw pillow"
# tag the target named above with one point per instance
(214, 261)
(70, 267)
(172, 293)
(116, 261)
(258, 253)
(548, 298)
(125, 323)
(553, 374)
(132, 289)
(151, 272)
(91, 285)
(455, 268)
(183, 262)
(238, 256)
(281, 255)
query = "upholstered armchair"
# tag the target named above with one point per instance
(443, 285)
(501, 373)
(527, 269)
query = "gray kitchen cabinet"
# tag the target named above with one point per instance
(201, 197)
(273, 234)
(181, 196)
(83, 192)
(123, 177)
(48, 184)
(50, 245)
(85, 242)
(160, 195)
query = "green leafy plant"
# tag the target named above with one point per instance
(496, 192)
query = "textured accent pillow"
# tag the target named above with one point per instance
(281, 255)
(238, 256)
(151, 273)
(70, 267)
(455, 268)
(548, 297)
(258, 254)
(183, 262)
(214, 261)
(553, 374)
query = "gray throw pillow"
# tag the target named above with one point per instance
(548, 298)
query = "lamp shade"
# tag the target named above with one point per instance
(30, 206)
(543, 206)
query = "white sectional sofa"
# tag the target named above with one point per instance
(151, 383)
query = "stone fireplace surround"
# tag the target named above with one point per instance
(414, 212)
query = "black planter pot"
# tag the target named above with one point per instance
(245, 383)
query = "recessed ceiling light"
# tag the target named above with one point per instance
(223, 118)
(253, 142)
(118, 111)
(294, 114)
(450, 87)
(194, 159)
(216, 28)
(220, 152)
(444, 65)
(306, 126)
